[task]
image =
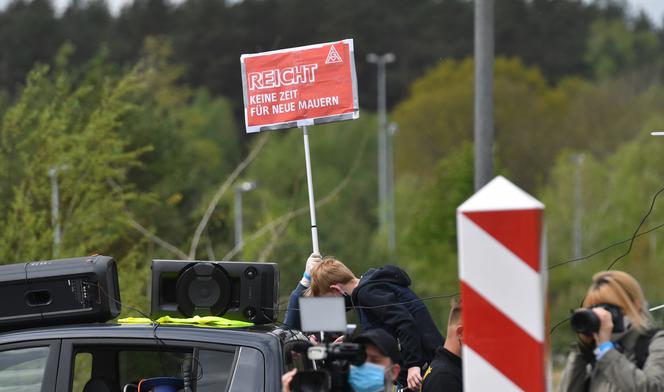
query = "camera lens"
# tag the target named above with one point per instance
(584, 321)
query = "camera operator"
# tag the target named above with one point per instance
(617, 350)
(380, 370)
(383, 299)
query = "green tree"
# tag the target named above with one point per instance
(343, 164)
(58, 124)
(438, 115)
(29, 33)
(427, 227)
(616, 194)
(614, 47)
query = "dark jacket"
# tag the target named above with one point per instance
(444, 373)
(617, 370)
(384, 300)
(293, 312)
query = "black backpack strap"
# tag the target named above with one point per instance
(642, 347)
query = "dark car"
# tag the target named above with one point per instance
(110, 357)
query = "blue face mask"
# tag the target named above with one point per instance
(367, 378)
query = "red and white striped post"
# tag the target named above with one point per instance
(502, 268)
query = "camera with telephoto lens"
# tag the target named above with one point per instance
(586, 322)
(328, 367)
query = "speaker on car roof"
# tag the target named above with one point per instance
(78, 290)
(238, 290)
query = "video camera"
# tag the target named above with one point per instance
(586, 322)
(330, 367)
(326, 366)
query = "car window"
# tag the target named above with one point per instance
(249, 373)
(123, 367)
(22, 369)
(82, 372)
(136, 365)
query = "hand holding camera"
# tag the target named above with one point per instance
(597, 323)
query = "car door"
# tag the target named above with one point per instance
(121, 364)
(29, 366)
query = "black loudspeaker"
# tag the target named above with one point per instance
(236, 290)
(78, 290)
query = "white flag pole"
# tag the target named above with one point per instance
(310, 185)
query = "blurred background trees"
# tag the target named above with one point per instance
(138, 119)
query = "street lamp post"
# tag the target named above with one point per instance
(483, 124)
(383, 215)
(392, 129)
(577, 159)
(55, 207)
(242, 187)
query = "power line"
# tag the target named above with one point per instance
(606, 248)
(631, 242)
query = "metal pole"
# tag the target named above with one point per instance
(238, 221)
(55, 210)
(391, 225)
(483, 92)
(578, 210)
(310, 185)
(240, 188)
(382, 145)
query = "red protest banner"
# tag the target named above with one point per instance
(300, 86)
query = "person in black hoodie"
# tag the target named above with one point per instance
(383, 299)
(444, 373)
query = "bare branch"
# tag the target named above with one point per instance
(208, 246)
(276, 235)
(141, 229)
(220, 192)
(169, 247)
(285, 218)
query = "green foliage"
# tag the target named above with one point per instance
(438, 117)
(613, 48)
(210, 35)
(427, 221)
(122, 146)
(71, 131)
(343, 164)
(617, 192)
(534, 122)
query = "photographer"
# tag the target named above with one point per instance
(383, 299)
(380, 370)
(617, 349)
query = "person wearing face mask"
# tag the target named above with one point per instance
(383, 299)
(382, 366)
(444, 373)
(379, 371)
(629, 360)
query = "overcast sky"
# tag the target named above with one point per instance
(654, 8)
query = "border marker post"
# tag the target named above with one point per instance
(503, 274)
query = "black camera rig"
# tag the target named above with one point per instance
(328, 367)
